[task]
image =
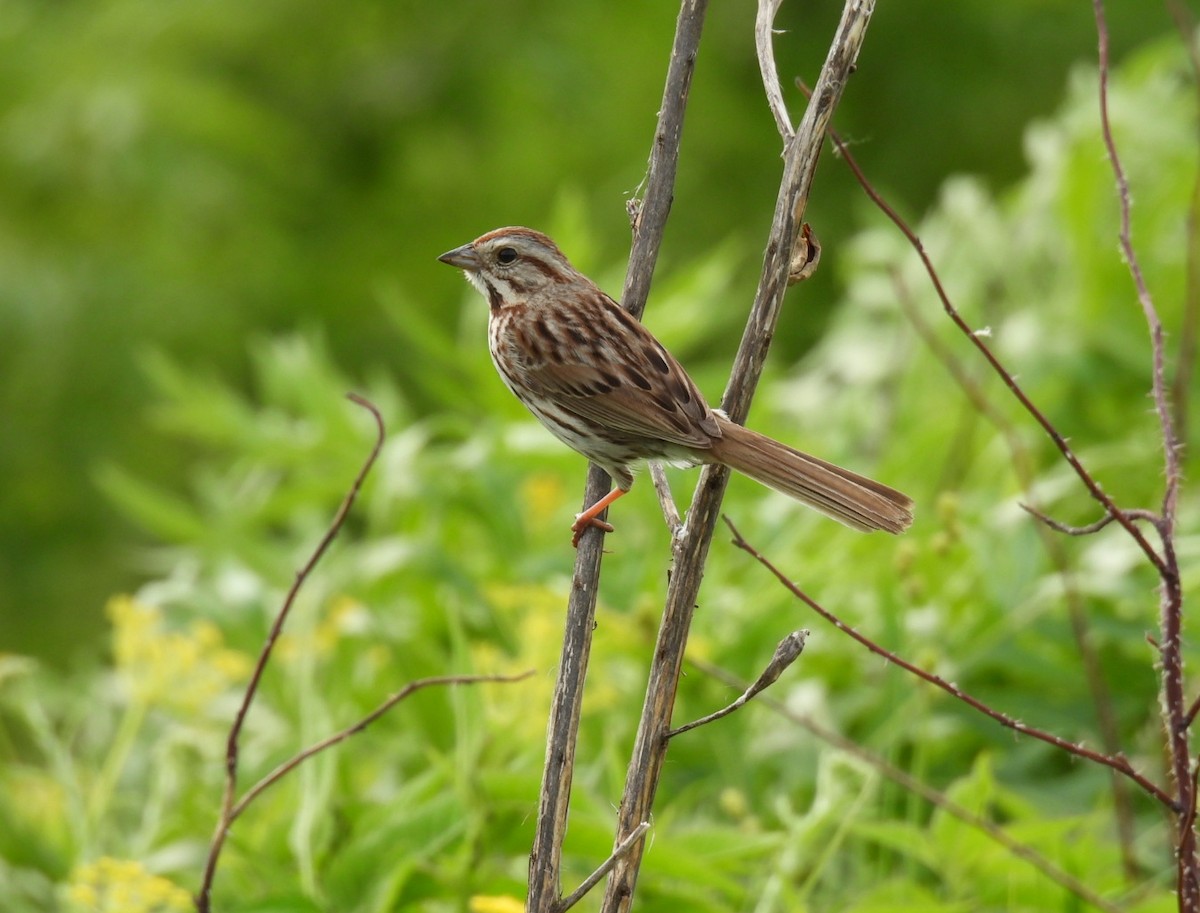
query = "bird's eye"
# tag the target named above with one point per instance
(506, 255)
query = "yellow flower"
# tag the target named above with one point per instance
(184, 670)
(482, 903)
(535, 614)
(37, 801)
(122, 886)
(345, 617)
(543, 496)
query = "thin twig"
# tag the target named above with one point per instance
(1077, 612)
(935, 798)
(603, 869)
(764, 32)
(978, 340)
(1189, 328)
(300, 757)
(786, 653)
(1185, 868)
(235, 731)
(1175, 715)
(1090, 528)
(1118, 762)
(662, 488)
(649, 217)
(1162, 563)
(1162, 404)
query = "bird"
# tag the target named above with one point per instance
(593, 375)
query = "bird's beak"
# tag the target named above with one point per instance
(464, 257)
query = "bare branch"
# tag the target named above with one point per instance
(1077, 609)
(1193, 709)
(1185, 866)
(786, 653)
(918, 788)
(604, 868)
(1189, 329)
(562, 729)
(300, 757)
(764, 31)
(1116, 762)
(1175, 714)
(666, 501)
(235, 731)
(800, 161)
(1153, 322)
(976, 339)
(649, 218)
(1091, 527)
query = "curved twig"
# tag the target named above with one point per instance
(979, 341)
(1117, 762)
(1090, 528)
(235, 730)
(786, 653)
(764, 31)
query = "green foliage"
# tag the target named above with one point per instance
(183, 177)
(456, 558)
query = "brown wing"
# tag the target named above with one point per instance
(604, 366)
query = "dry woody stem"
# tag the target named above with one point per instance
(786, 653)
(691, 541)
(235, 731)
(917, 787)
(1118, 763)
(232, 806)
(1177, 714)
(649, 217)
(800, 159)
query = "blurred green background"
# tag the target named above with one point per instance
(189, 178)
(216, 218)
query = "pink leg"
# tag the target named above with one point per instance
(588, 517)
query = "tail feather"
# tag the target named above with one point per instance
(854, 500)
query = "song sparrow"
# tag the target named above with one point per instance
(606, 387)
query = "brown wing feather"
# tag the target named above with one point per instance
(615, 373)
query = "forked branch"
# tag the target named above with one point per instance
(802, 151)
(235, 731)
(233, 806)
(1117, 762)
(649, 217)
(786, 653)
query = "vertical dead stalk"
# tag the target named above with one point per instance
(649, 221)
(650, 746)
(1176, 718)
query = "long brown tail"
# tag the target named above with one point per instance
(838, 493)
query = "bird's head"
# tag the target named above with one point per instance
(511, 265)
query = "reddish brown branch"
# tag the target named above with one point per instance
(235, 731)
(978, 340)
(1175, 714)
(917, 787)
(1189, 329)
(1090, 528)
(1117, 762)
(328, 742)
(1022, 465)
(1162, 404)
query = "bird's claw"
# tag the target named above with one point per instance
(583, 522)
